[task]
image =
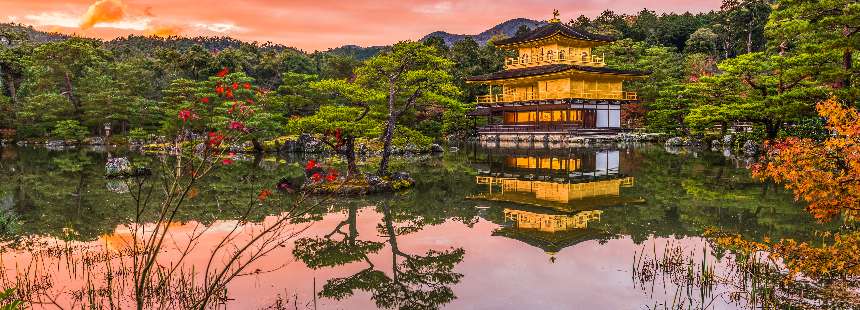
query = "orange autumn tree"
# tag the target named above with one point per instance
(825, 174)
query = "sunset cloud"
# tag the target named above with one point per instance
(103, 11)
(52, 19)
(219, 27)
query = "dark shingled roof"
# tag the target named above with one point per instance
(547, 69)
(550, 30)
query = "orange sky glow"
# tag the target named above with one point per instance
(306, 24)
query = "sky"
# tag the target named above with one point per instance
(307, 24)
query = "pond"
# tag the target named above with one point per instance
(484, 228)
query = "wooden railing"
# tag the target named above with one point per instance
(533, 61)
(529, 96)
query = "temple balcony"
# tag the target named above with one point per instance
(532, 96)
(551, 59)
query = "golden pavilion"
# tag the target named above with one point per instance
(555, 85)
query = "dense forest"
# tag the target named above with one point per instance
(757, 62)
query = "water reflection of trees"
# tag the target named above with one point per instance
(415, 281)
(65, 195)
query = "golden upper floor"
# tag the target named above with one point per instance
(555, 61)
(554, 43)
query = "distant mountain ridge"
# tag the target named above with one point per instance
(507, 28)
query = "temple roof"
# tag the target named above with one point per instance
(549, 69)
(552, 29)
(551, 242)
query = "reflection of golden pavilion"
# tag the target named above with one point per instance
(552, 196)
(530, 162)
(557, 192)
(551, 222)
(549, 230)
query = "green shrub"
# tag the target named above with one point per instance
(69, 130)
(137, 134)
(812, 128)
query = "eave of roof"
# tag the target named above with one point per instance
(550, 69)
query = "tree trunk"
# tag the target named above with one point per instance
(749, 36)
(389, 132)
(258, 148)
(772, 129)
(348, 151)
(13, 89)
(847, 59)
(70, 93)
(848, 65)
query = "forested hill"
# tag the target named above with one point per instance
(508, 29)
(31, 33)
(151, 43)
(357, 52)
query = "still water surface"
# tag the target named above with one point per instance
(484, 228)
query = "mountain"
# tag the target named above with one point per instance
(508, 29)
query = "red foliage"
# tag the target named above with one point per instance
(223, 72)
(204, 100)
(234, 125)
(229, 159)
(215, 139)
(186, 115)
(316, 177)
(310, 165)
(265, 193)
(331, 176)
(825, 174)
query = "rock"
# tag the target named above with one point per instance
(94, 141)
(436, 148)
(309, 144)
(750, 148)
(120, 167)
(199, 148)
(55, 143)
(235, 149)
(373, 180)
(716, 143)
(677, 141)
(728, 140)
(401, 180)
(117, 166)
(401, 175)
